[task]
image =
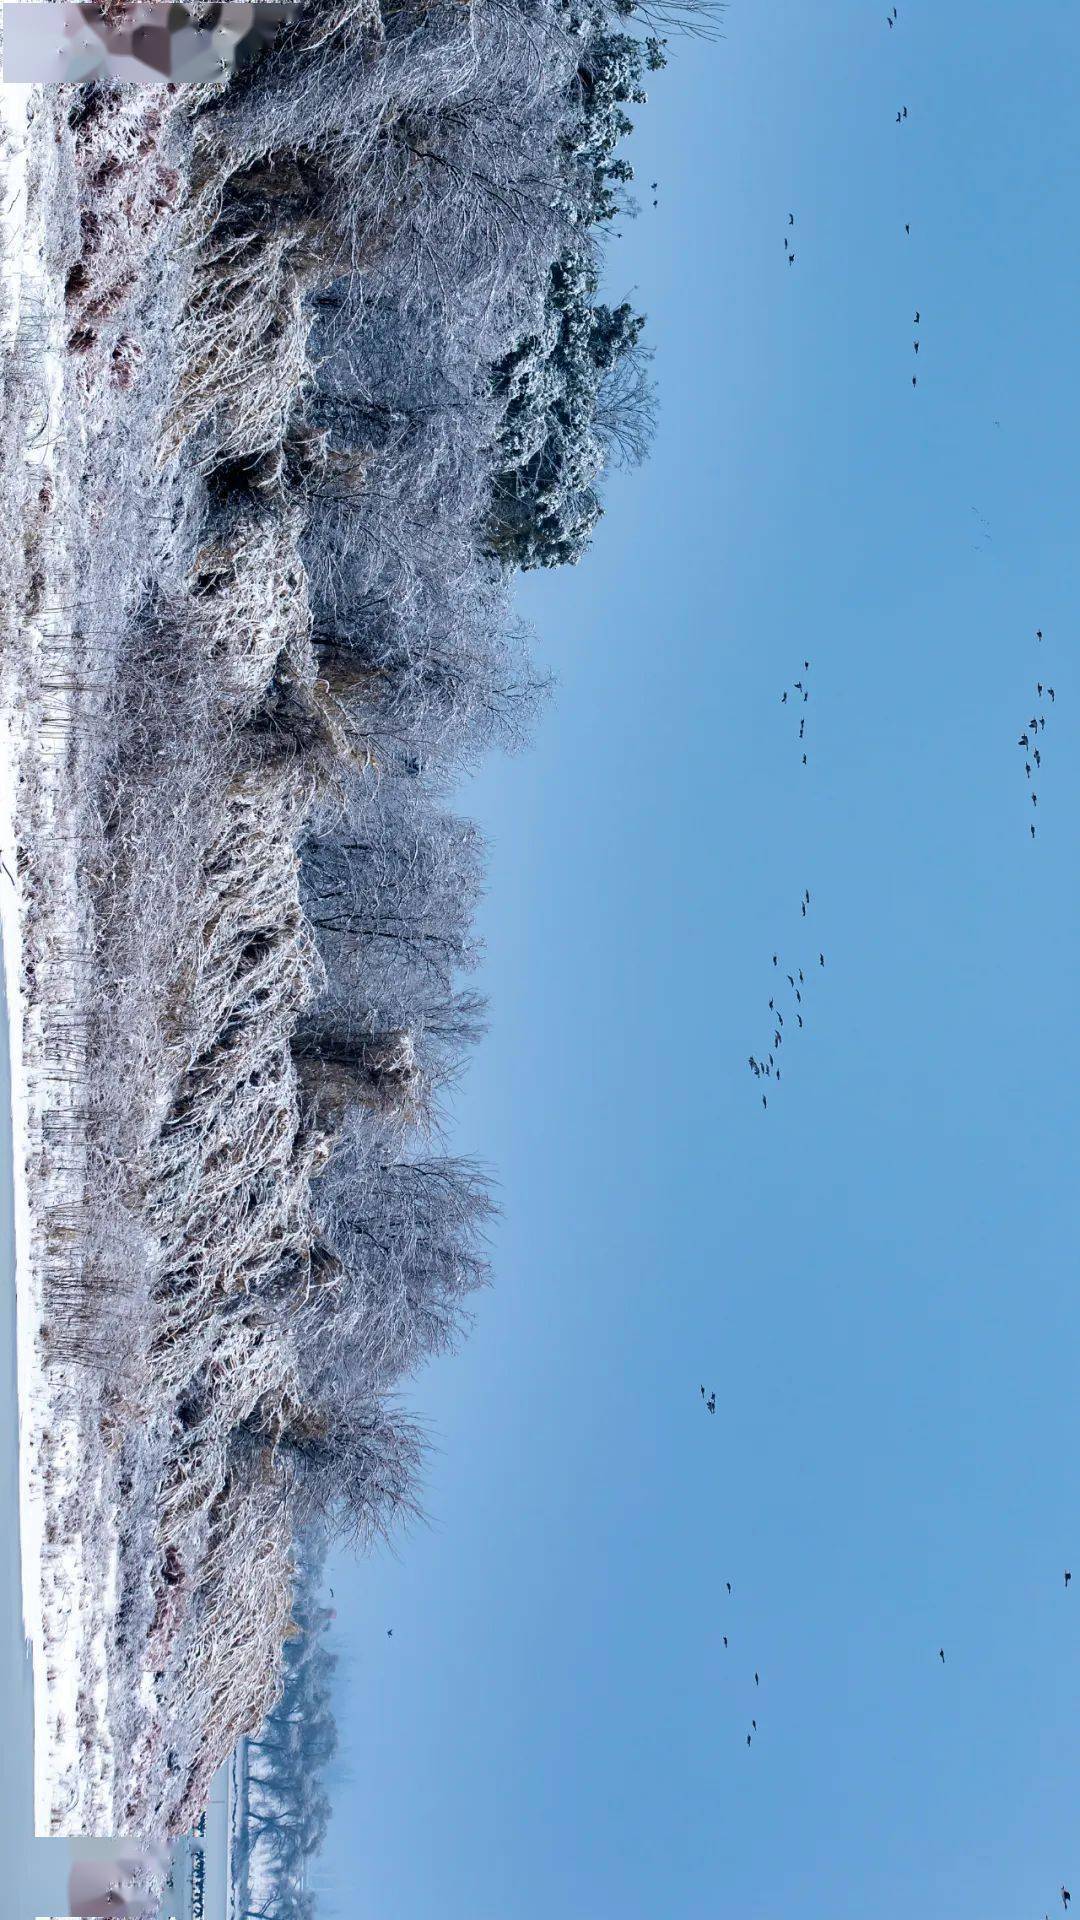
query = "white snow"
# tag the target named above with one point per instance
(63, 1625)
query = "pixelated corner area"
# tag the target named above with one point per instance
(149, 42)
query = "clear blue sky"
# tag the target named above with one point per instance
(878, 1275)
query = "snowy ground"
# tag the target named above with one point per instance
(65, 1601)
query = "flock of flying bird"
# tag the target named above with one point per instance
(1030, 734)
(767, 1067)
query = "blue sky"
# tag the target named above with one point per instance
(877, 1275)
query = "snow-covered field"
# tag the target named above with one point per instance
(65, 1601)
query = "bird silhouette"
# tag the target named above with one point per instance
(748, 1739)
(389, 1633)
(725, 1639)
(898, 119)
(1038, 688)
(1034, 798)
(802, 729)
(916, 345)
(1037, 757)
(776, 960)
(799, 1018)
(821, 959)
(941, 1655)
(802, 982)
(1038, 633)
(791, 979)
(914, 382)
(1050, 691)
(804, 909)
(753, 1723)
(1033, 830)
(907, 227)
(728, 1585)
(791, 219)
(780, 1017)
(1068, 1576)
(804, 759)
(764, 1101)
(711, 1403)
(798, 686)
(783, 699)
(798, 996)
(791, 259)
(806, 666)
(1023, 740)
(757, 1680)
(916, 316)
(1066, 1896)
(1027, 768)
(703, 1393)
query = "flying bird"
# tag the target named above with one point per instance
(1050, 691)
(802, 981)
(941, 1655)
(748, 1739)
(804, 759)
(775, 960)
(1038, 633)
(1027, 768)
(1066, 1896)
(806, 666)
(389, 1633)
(1068, 1576)
(1038, 688)
(821, 959)
(916, 345)
(1023, 740)
(804, 909)
(791, 219)
(791, 259)
(1037, 757)
(725, 1639)
(1034, 798)
(1033, 829)
(711, 1403)
(907, 228)
(728, 1585)
(791, 979)
(799, 1018)
(757, 1680)
(914, 382)
(916, 316)
(783, 699)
